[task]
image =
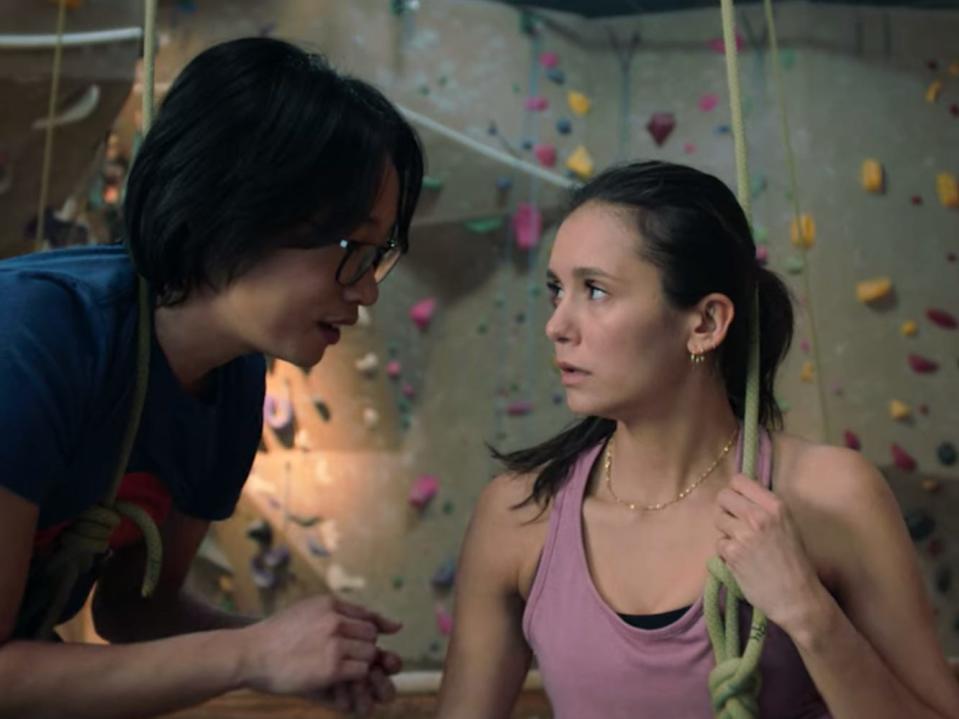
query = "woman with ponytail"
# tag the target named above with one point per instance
(590, 552)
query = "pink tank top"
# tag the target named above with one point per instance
(596, 666)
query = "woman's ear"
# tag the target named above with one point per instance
(709, 322)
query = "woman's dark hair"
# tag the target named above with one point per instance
(255, 137)
(695, 232)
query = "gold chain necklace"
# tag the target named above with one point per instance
(608, 463)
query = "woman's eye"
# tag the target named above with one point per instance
(553, 290)
(593, 289)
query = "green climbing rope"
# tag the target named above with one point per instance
(87, 538)
(734, 682)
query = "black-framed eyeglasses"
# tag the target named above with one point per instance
(361, 257)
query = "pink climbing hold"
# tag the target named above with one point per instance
(536, 104)
(805, 346)
(708, 102)
(549, 60)
(902, 459)
(423, 490)
(718, 45)
(762, 255)
(422, 312)
(546, 154)
(661, 125)
(922, 365)
(519, 408)
(393, 369)
(408, 391)
(851, 440)
(444, 620)
(527, 225)
(689, 148)
(942, 318)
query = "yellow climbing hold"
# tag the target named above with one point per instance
(954, 69)
(932, 92)
(872, 176)
(578, 102)
(808, 371)
(948, 189)
(909, 328)
(875, 289)
(581, 163)
(807, 237)
(899, 410)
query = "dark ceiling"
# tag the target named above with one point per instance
(609, 8)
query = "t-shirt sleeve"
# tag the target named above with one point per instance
(46, 368)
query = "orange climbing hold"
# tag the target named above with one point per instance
(948, 189)
(873, 179)
(874, 289)
(899, 410)
(803, 232)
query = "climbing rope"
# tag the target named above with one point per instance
(51, 114)
(734, 682)
(86, 539)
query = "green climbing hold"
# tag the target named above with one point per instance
(443, 80)
(424, 89)
(787, 58)
(499, 301)
(398, 582)
(760, 235)
(536, 291)
(448, 507)
(783, 405)
(516, 88)
(482, 329)
(432, 183)
(795, 265)
(484, 226)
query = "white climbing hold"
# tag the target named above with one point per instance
(368, 364)
(338, 580)
(371, 418)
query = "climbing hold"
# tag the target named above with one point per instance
(559, 398)
(805, 346)
(689, 148)
(762, 255)
(787, 58)
(260, 532)
(708, 102)
(423, 490)
(422, 312)
(757, 185)
(941, 318)
(338, 580)
(564, 126)
(872, 176)
(581, 163)
(954, 69)
(807, 238)
(536, 104)
(851, 440)
(368, 364)
(444, 575)
(922, 365)
(398, 582)
(807, 373)
(520, 318)
(795, 265)
(722, 129)
(546, 154)
(899, 410)
(484, 225)
(874, 289)
(660, 126)
(302, 440)
(923, 409)
(526, 144)
(444, 620)
(393, 369)
(948, 189)
(519, 408)
(578, 102)
(492, 129)
(931, 486)
(920, 524)
(549, 59)
(432, 183)
(556, 75)
(718, 45)
(278, 413)
(448, 507)
(503, 183)
(916, 200)
(371, 418)
(408, 390)
(933, 91)
(527, 225)
(909, 328)
(902, 459)
(946, 452)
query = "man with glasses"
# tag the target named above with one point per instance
(133, 386)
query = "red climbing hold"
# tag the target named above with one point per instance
(916, 200)
(661, 125)
(922, 365)
(902, 459)
(942, 318)
(851, 440)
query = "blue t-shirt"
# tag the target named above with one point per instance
(68, 323)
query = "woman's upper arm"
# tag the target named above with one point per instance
(18, 521)
(488, 657)
(881, 588)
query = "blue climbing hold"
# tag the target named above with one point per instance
(556, 75)
(564, 126)
(504, 183)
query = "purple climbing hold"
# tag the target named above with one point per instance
(661, 125)
(942, 318)
(921, 364)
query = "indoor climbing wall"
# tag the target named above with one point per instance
(371, 462)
